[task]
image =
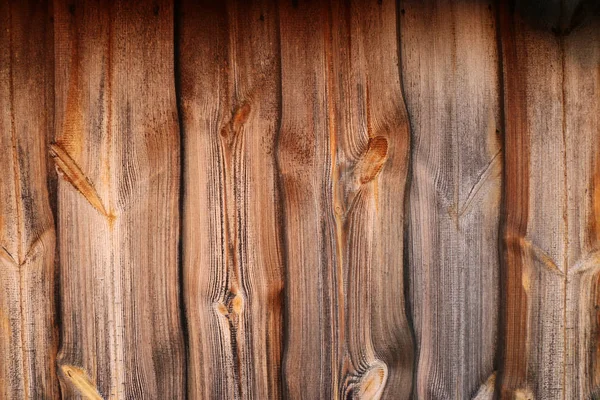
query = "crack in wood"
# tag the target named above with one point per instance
(35, 248)
(589, 264)
(534, 251)
(489, 171)
(5, 254)
(75, 176)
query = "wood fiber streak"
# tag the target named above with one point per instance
(28, 340)
(232, 247)
(550, 241)
(342, 156)
(117, 152)
(451, 82)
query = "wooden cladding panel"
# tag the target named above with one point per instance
(232, 246)
(117, 151)
(28, 337)
(299, 199)
(550, 244)
(342, 155)
(451, 83)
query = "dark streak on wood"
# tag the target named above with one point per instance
(513, 320)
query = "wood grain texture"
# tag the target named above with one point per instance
(342, 155)
(117, 151)
(232, 249)
(451, 81)
(320, 199)
(550, 241)
(28, 340)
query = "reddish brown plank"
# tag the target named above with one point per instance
(342, 155)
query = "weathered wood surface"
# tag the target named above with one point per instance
(299, 199)
(28, 338)
(117, 151)
(342, 154)
(550, 240)
(451, 83)
(232, 246)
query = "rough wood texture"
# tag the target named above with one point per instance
(450, 76)
(117, 151)
(233, 272)
(247, 208)
(28, 340)
(550, 240)
(342, 156)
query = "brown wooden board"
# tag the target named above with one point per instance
(28, 333)
(272, 199)
(232, 245)
(343, 153)
(451, 83)
(117, 151)
(550, 244)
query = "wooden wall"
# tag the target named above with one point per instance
(220, 199)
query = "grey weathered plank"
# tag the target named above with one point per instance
(232, 246)
(550, 237)
(117, 151)
(28, 340)
(342, 155)
(451, 84)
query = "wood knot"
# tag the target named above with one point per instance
(241, 116)
(366, 383)
(80, 380)
(234, 126)
(371, 163)
(523, 394)
(233, 304)
(372, 383)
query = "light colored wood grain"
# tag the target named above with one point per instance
(550, 237)
(451, 82)
(28, 340)
(117, 152)
(232, 243)
(487, 390)
(342, 155)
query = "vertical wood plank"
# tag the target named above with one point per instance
(581, 102)
(342, 155)
(28, 340)
(117, 151)
(232, 249)
(303, 161)
(451, 83)
(551, 85)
